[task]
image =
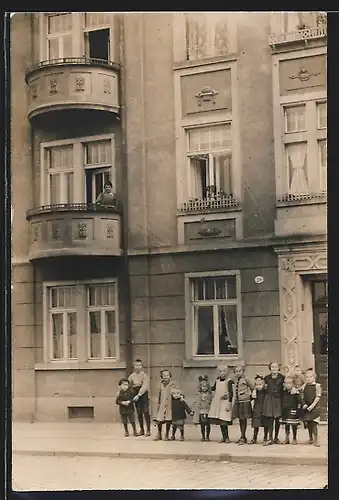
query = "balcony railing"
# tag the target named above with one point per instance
(298, 35)
(74, 207)
(90, 61)
(210, 203)
(300, 197)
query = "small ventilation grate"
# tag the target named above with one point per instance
(81, 412)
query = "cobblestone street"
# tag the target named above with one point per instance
(74, 473)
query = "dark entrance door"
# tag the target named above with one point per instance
(320, 336)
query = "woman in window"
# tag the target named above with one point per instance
(107, 197)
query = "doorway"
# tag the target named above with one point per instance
(320, 339)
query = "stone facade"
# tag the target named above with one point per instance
(162, 93)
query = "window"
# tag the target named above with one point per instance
(305, 146)
(98, 167)
(295, 119)
(97, 35)
(209, 160)
(62, 322)
(214, 303)
(102, 320)
(69, 338)
(97, 19)
(76, 171)
(60, 164)
(59, 36)
(294, 21)
(206, 35)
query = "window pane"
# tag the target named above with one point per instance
(58, 335)
(295, 119)
(69, 187)
(213, 138)
(101, 295)
(296, 157)
(197, 36)
(231, 284)
(323, 164)
(220, 285)
(59, 23)
(95, 334)
(198, 289)
(61, 158)
(53, 48)
(54, 187)
(209, 289)
(222, 172)
(98, 153)
(228, 331)
(203, 328)
(322, 114)
(110, 334)
(67, 46)
(72, 335)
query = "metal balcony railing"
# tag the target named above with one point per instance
(90, 61)
(211, 203)
(298, 35)
(74, 207)
(296, 197)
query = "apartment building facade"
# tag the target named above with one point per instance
(212, 128)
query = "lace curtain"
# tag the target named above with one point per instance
(297, 165)
(206, 35)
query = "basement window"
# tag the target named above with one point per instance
(97, 44)
(86, 412)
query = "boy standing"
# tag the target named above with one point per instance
(126, 405)
(140, 384)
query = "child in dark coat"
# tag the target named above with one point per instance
(179, 410)
(202, 405)
(272, 409)
(242, 409)
(126, 405)
(291, 404)
(310, 400)
(258, 396)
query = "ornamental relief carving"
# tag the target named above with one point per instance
(80, 83)
(53, 86)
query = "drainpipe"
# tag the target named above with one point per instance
(124, 193)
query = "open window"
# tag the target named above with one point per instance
(98, 168)
(97, 44)
(209, 162)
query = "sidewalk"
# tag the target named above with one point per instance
(107, 440)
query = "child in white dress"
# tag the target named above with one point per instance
(220, 412)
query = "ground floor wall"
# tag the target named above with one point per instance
(159, 331)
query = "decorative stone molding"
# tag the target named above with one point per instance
(206, 94)
(304, 75)
(80, 83)
(291, 266)
(82, 230)
(110, 231)
(107, 87)
(206, 231)
(34, 92)
(55, 231)
(53, 86)
(36, 235)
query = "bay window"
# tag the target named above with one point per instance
(209, 156)
(81, 322)
(206, 35)
(76, 171)
(214, 314)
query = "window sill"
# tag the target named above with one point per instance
(210, 363)
(85, 365)
(204, 62)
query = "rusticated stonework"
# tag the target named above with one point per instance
(290, 268)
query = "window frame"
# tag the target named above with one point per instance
(190, 334)
(83, 359)
(311, 136)
(210, 153)
(58, 36)
(210, 35)
(79, 167)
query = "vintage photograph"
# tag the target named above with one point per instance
(169, 250)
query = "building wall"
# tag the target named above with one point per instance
(158, 311)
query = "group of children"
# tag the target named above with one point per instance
(271, 401)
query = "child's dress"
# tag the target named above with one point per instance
(242, 390)
(291, 404)
(220, 412)
(257, 417)
(179, 410)
(201, 407)
(308, 395)
(164, 409)
(273, 399)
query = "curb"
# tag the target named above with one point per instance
(217, 457)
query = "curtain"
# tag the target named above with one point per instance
(197, 36)
(58, 335)
(228, 331)
(297, 161)
(95, 334)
